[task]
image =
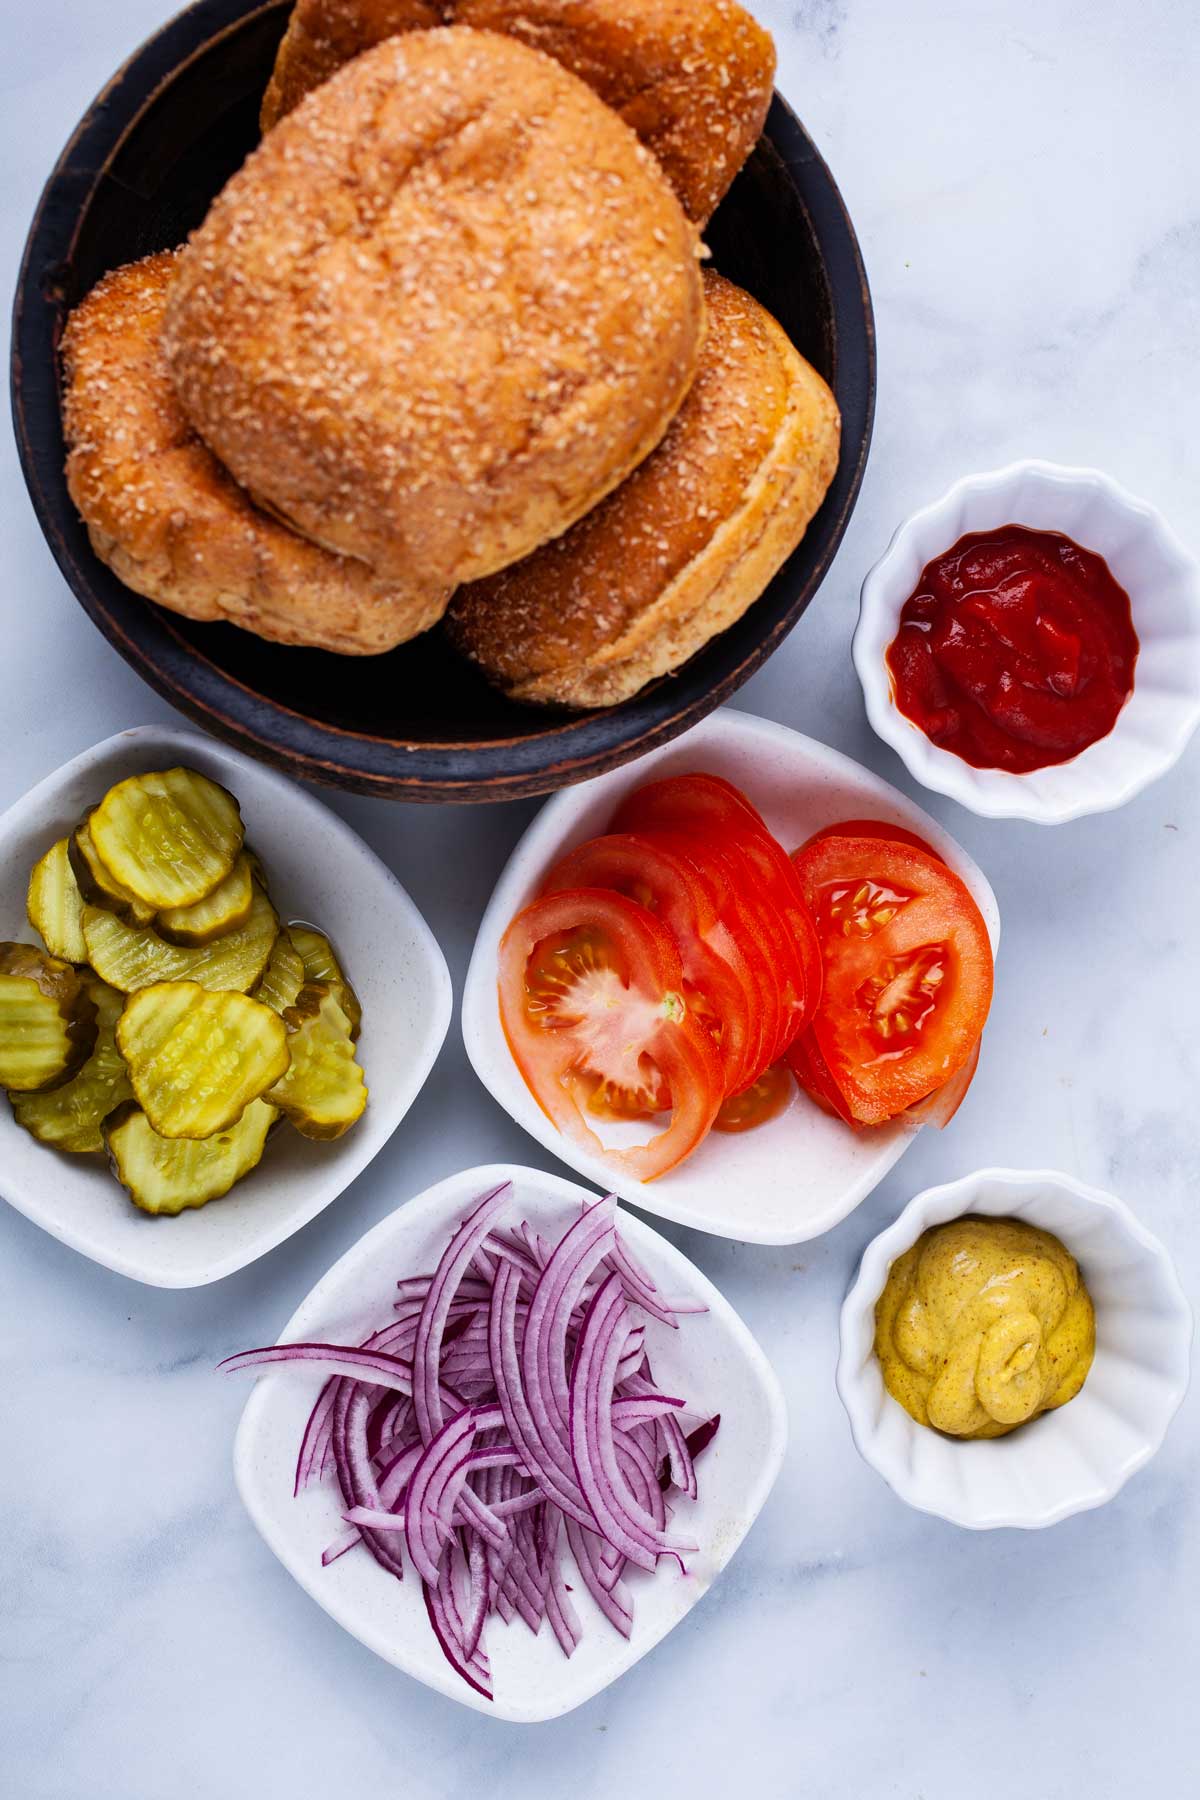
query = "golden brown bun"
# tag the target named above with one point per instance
(321, 35)
(685, 546)
(444, 308)
(164, 515)
(692, 77)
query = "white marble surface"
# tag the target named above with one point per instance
(1024, 179)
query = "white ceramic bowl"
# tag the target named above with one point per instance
(712, 1361)
(1163, 584)
(801, 1174)
(320, 870)
(1068, 1460)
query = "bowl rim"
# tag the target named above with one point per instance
(952, 1200)
(998, 793)
(439, 1201)
(544, 838)
(177, 740)
(144, 635)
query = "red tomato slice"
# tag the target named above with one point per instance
(718, 987)
(872, 828)
(812, 1072)
(701, 806)
(766, 910)
(908, 970)
(758, 1104)
(592, 1004)
(776, 881)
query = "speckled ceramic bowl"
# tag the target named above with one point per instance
(1163, 583)
(1068, 1460)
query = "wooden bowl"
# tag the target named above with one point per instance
(416, 724)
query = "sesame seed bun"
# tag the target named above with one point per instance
(166, 517)
(685, 546)
(693, 78)
(446, 306)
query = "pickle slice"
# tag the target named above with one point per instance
(54, 904)
(196, 1060)
(131, 957)
(283, 976)
(168, 1175)
(226, 909)
(323, 1092)
(47, 1020)
(69, 1117)
(321, 964)
(169, 837)
(98, 885)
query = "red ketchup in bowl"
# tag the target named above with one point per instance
(1017, 649)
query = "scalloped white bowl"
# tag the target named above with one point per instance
(805, 1171)
(1068, 1460)
(319, 869)
(1163, 584)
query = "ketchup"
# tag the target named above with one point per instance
(1016, 651)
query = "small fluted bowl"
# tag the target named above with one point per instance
(1146, 558)
(1077, 1456)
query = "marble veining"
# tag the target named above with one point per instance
(1024, 177)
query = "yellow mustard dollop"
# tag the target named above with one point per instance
(983, 1324)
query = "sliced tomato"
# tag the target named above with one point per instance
(698, 805)
(812, 1072)
(593, 1006)
(717, 986)
(758, 1104)
(763, 900)
(776, 883)
(908, 970)
(872, 828)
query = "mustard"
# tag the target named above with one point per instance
(982, 1325)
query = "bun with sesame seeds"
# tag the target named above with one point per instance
(693, 78)
(443, 309)
(171, 523)
(680, 551)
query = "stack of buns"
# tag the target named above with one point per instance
(444, 342)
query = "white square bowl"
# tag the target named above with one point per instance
(712, 1361)
(804, 1172)
(318, 869)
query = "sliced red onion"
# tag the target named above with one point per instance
(506, 1415)
(593, 1445)
(442, 1289)
(559, 1288)
(447, 1623)
(550, 1468)
(374, 1519)
(695, 1442)
(340, 1545)
(373, 1366)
